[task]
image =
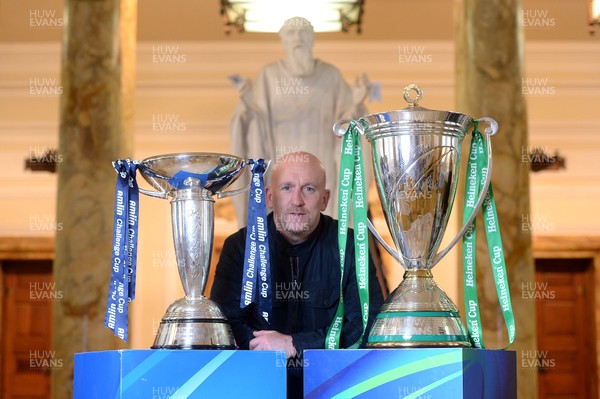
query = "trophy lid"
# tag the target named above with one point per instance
(211, 171)
(415, 119)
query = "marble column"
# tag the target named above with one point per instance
(96, 127)
(489, 70)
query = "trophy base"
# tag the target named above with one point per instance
(418, 314)
(194, 323)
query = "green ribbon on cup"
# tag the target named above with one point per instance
(476, 175)
(352, 192)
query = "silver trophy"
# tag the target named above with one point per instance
(416, 161)
(190, 180)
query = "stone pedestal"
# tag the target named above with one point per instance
(96, 114)
(489, 83)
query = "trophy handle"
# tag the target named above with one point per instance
(488, 132)
(384, 244)
(231, 193)
(157, 194)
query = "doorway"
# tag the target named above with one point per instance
(565, 292)
(26, 298)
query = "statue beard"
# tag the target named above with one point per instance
(301, 61)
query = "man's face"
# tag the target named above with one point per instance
(297, 195)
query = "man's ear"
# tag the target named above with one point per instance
(269, 197)
(326, 195)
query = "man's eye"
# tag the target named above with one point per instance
(285, 188)
(309, 189)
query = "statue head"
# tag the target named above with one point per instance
(297, 37)
(297, 32)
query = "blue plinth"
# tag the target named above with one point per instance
(178, 374)
(423, 373)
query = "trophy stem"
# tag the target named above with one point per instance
(192, 215)
(418, 313)
(193, 322)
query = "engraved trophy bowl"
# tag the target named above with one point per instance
(416, 161)
(190, 180)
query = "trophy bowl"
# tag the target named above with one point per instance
(416, 161)
(190, 180)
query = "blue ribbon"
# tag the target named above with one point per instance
(256, 279)
(124, 249)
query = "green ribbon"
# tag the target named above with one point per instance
(352, 191)
(477, 170)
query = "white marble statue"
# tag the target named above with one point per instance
(292, 106)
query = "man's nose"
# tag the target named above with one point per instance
(297, 198)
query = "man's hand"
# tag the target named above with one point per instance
(267, 340)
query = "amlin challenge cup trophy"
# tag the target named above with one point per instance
(190, 181)
(416, 156)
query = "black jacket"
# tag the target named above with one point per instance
(304, 287)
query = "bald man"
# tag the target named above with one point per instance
(305, 271)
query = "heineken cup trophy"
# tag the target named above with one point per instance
(416, 161)
(190, 180)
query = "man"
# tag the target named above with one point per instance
(292, 106)
(305, 271)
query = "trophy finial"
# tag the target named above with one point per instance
(413, 102)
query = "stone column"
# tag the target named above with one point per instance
(96, 121)
(489, 68)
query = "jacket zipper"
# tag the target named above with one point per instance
(293, 301)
